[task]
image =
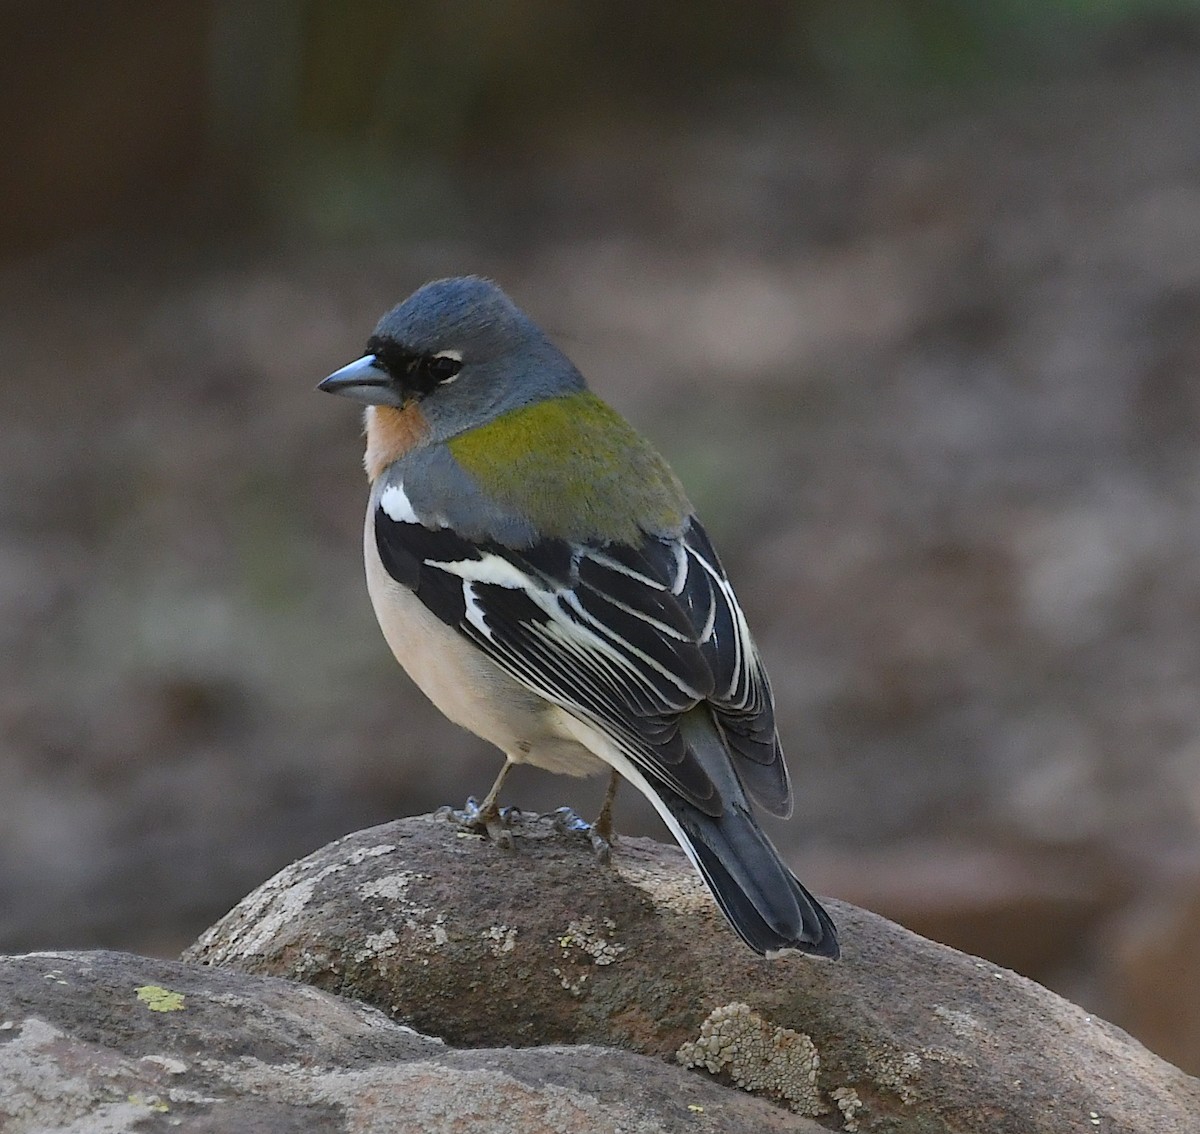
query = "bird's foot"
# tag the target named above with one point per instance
(493, 822)
(598, 834)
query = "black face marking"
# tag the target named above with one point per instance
(390, 355)
(414, 373)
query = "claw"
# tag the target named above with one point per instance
(602, 844)
(496, 823)
(569, 822)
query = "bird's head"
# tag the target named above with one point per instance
(459, 351)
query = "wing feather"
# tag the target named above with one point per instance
(628, 638)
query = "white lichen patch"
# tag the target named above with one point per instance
(195, 1098)
(572, 982)
(849, 1104)
(417, 919)
(896, 1073)
(361, 854)
(671, 889)
(987, 966)
(391, 886)
(588, 939)
(376, 943)
(262, 915)
(500, 939)
(55, 1081)
(281, 909)
(961, 1023)
(169, 1064)
(757, 1056)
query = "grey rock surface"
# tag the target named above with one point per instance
(542, 944)
(109, 1043)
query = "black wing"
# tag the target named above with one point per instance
(626, 638)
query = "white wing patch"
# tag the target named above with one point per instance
(613, 565)
(475, 615)
(396, 505)
(681, 569)
(578, 633)
(489, 568)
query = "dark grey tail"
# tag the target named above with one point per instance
(759, 895)
(761, 898)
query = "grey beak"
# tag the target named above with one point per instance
(365, 381)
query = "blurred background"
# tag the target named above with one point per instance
(907, 290)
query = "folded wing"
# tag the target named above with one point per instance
(625, 637)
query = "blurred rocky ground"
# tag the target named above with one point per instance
(931, 375)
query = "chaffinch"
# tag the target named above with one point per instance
(537, 569)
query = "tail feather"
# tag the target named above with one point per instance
(759, 895)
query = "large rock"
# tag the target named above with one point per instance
(483, 947)
(109, 1043)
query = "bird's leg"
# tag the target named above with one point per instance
(488, 817)
(489, 810)
(602, 835)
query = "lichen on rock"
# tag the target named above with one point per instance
(584, 935)
(757, 1056)
(849, 1104)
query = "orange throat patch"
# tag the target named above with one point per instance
(390, 434)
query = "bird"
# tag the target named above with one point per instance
(536, 567)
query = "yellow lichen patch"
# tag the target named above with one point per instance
(849, 1104)
(159, 999)
(757, 1056)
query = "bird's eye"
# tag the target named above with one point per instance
(441, 367)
